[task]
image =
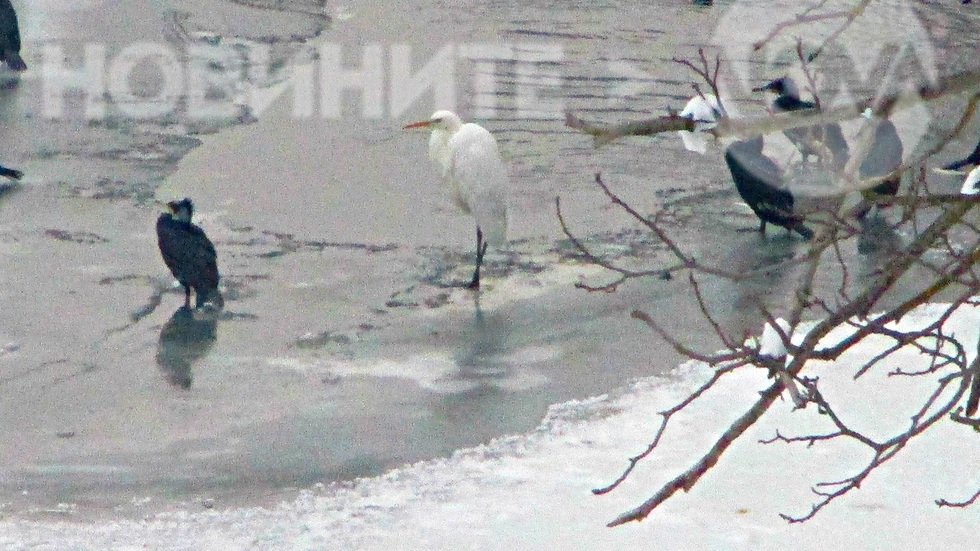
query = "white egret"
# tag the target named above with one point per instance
(704, 111)
(469, 162)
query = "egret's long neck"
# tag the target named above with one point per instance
(439, 148)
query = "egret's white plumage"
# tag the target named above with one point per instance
(971, 186)
(474, 174)
(704, 111)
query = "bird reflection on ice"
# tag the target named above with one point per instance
(184, 340)
(483, 359)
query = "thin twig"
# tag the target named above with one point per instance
(967, 503)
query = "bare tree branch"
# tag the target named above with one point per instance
(946, 87)
(944, 242)
(666, 415)
(686, 480)
(967, 503)
(806, 18)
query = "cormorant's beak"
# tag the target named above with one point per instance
(767, 87)
(163, 205)
(420, 124)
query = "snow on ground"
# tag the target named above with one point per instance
(532, 491)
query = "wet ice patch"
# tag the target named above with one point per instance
(526, 287)
(432, 371)
(532, 354)
(440, 372)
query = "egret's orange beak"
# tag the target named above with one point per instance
(419, 124)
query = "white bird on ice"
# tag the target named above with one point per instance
(475, 175)
(704, 111)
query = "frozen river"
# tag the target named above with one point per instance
(342, 351)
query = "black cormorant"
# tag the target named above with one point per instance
(760, 183)
(10, 37)
(884, 157)
(806, 139)
(189, 253)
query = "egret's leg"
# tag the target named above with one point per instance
(481, 249)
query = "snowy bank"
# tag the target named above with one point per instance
(533, 491)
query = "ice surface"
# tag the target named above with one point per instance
(532, 491)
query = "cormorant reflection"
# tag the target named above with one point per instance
(184, 339)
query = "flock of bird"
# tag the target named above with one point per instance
(469, 162)
(760, 181)
(470, 165)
